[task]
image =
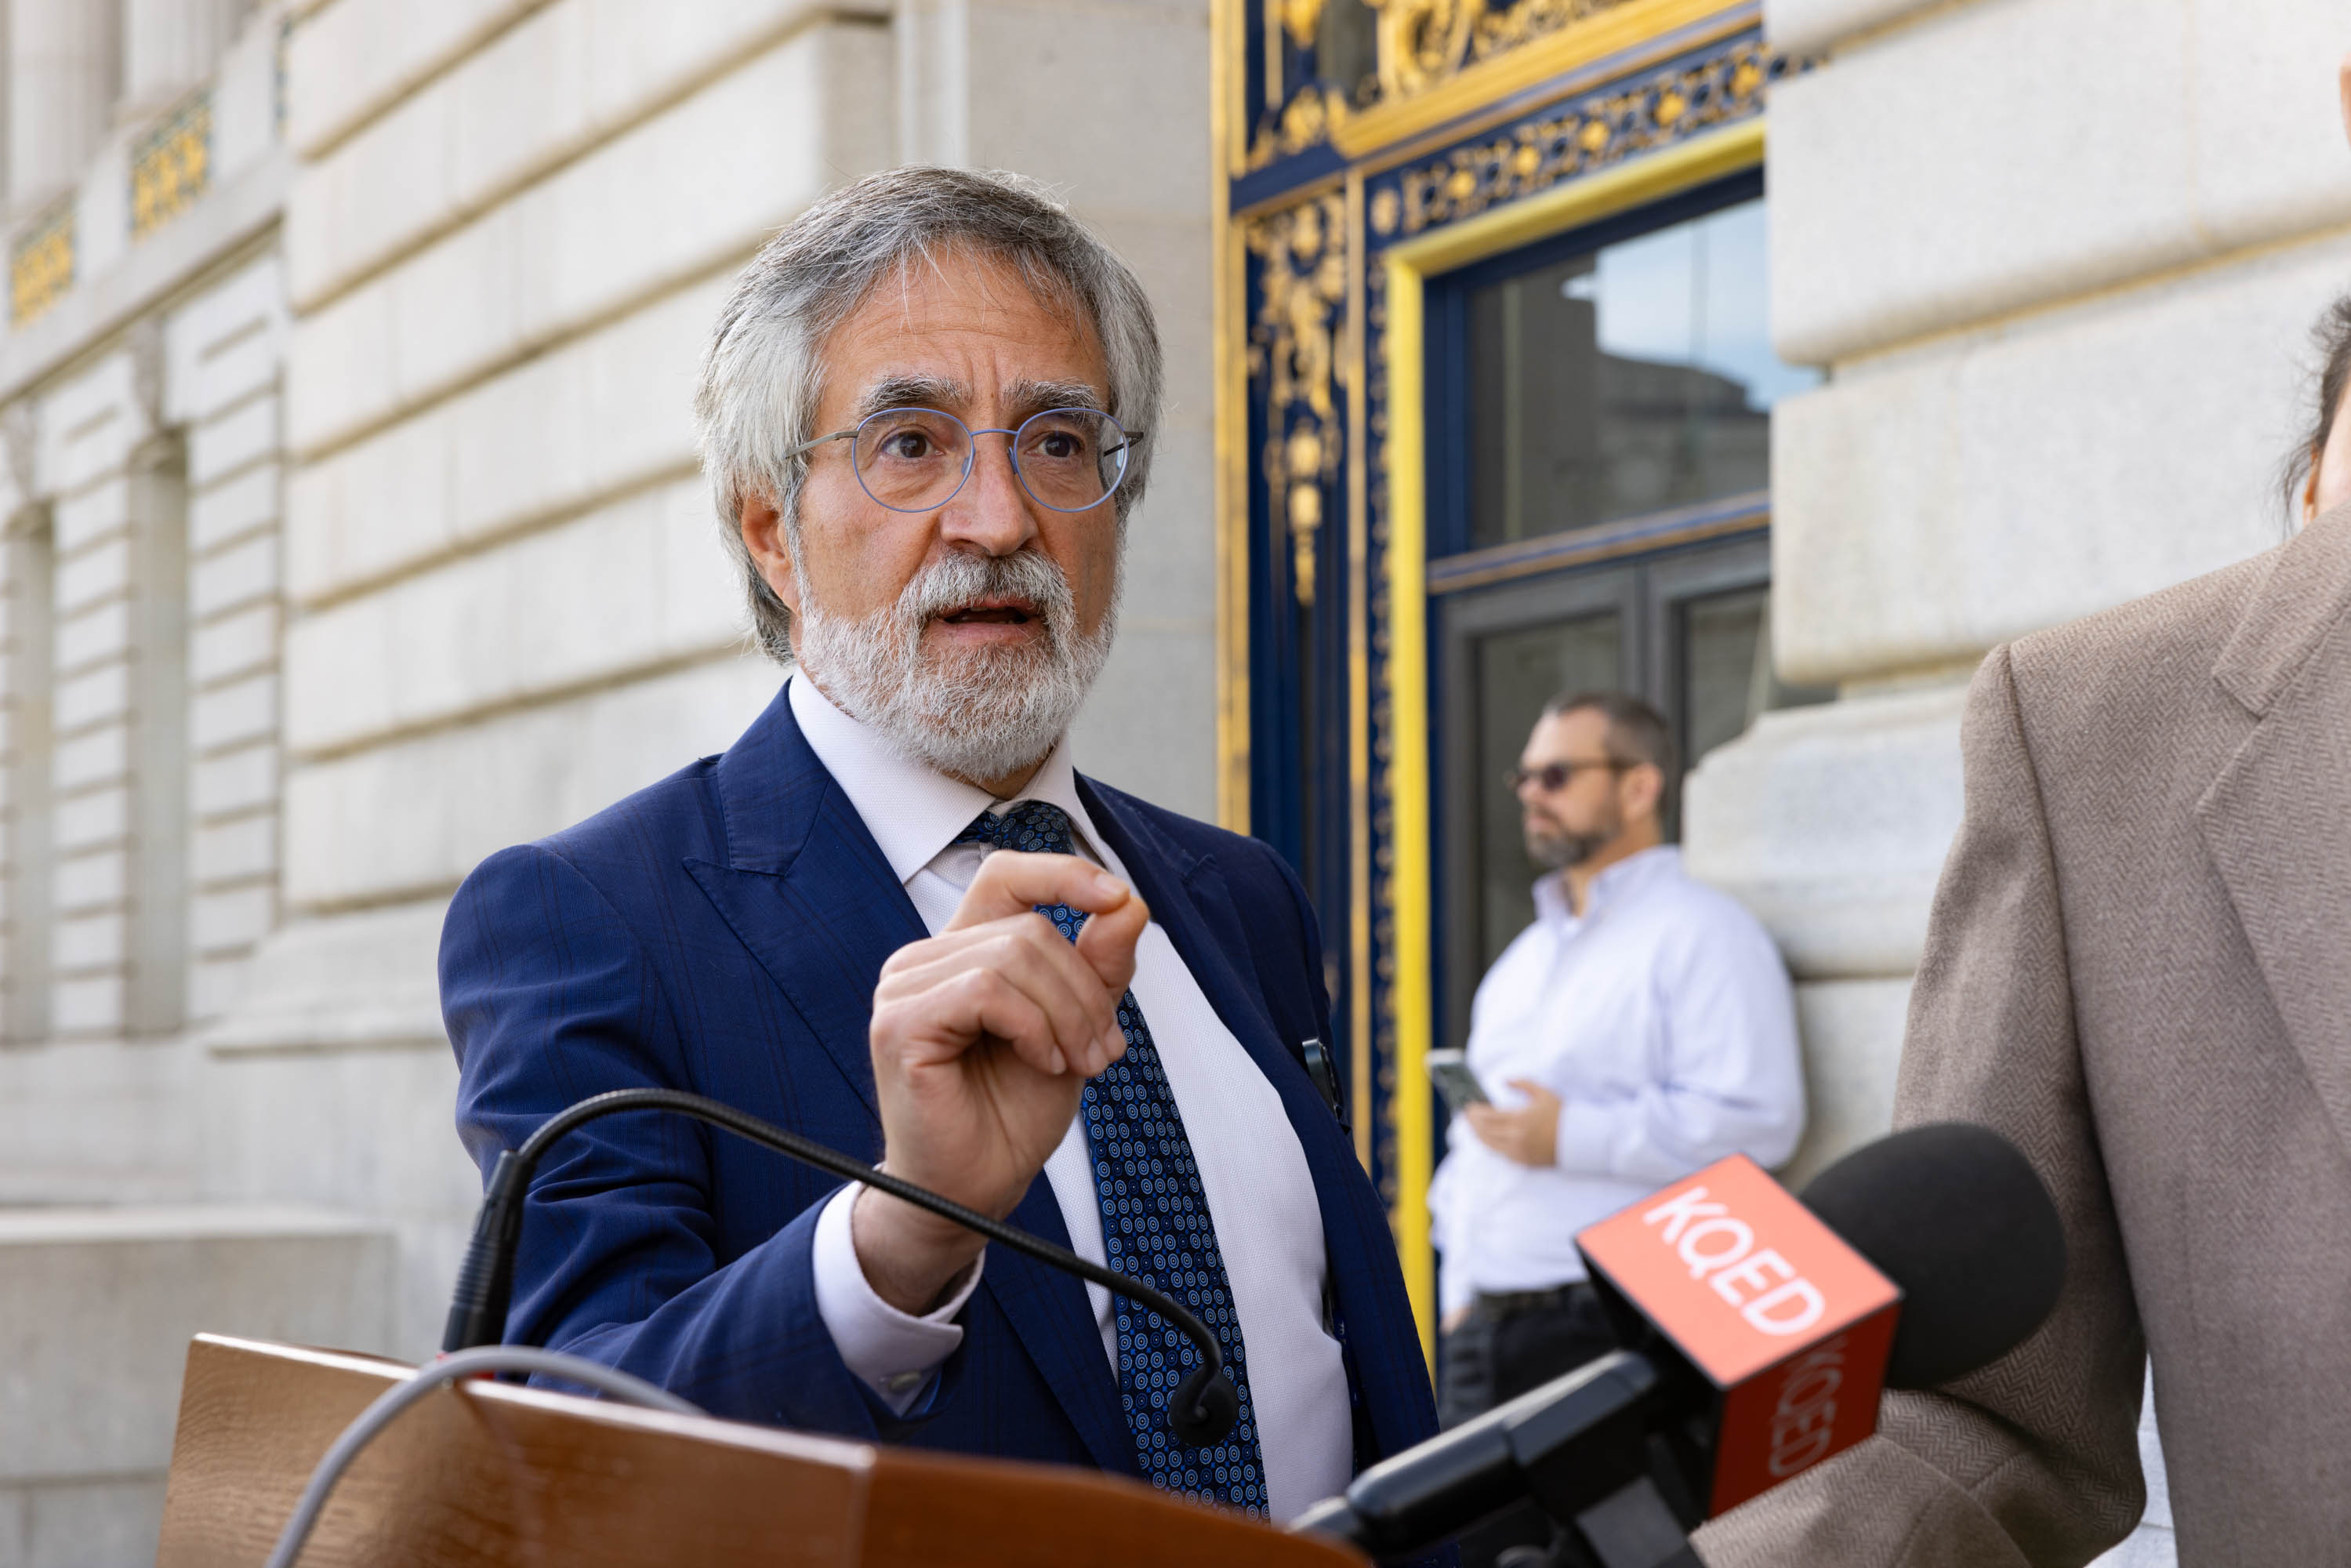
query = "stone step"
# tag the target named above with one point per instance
(96, 1307)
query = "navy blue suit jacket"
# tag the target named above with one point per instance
(722, 932)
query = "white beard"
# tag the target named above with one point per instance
(992, 711)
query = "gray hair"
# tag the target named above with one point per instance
(762, 375)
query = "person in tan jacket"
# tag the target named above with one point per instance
(2138, 968)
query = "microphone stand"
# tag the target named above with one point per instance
(1579, 1447)
(1201, 1411)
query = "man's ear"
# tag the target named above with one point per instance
(1643, 790)
(764, 537)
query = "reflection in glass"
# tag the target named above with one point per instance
(1721, 637)
(1518, 673)
(1637, 378)
(1722, 648)
(1725, 644)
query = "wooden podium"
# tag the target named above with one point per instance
(490, 1473)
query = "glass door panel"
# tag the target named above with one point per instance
(1625, 379)
(1725, 667)
(1505, 652)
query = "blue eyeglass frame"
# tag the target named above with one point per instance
(1125, 450)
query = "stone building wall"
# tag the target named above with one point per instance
(2062, 258)
(350, 528)
(140, 502)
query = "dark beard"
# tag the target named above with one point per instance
(1557, 852)
(1556, 849)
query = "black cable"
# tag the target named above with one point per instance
(1202, 1410)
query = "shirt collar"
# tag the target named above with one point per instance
(914, 811)
(1619, 881)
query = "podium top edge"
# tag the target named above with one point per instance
(838, 1453)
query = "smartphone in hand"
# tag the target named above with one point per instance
(1449, 1071)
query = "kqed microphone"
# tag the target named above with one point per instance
(1200, 1413)
(1758, 1331)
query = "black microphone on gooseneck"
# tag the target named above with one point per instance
(1631, 1451)
(1201, 1411)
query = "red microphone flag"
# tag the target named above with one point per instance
(1790, 1325)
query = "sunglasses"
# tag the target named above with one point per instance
(1553, 777)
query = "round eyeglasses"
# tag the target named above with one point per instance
(916, 459)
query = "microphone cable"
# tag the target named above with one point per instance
(626, 1387)
(1201, 1411)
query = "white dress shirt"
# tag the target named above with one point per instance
(1663, 1021)
(1260, 1194)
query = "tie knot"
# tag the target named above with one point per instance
(1034, 827)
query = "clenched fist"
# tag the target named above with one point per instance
(983, 1038)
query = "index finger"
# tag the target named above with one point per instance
(1013, 881)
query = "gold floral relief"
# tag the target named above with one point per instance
(1299, 18)
(1587, 135)
(41, 263)
(1500, 29)
(170, 166)
(1294, 343)
(1422, 42)
(1419, 44)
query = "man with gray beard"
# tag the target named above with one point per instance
(893, 917)
(1640, 1029)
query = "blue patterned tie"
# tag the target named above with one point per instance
(1155, 1224)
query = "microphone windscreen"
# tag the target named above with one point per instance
(1953, 1214)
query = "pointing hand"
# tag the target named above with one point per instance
(983, 1038)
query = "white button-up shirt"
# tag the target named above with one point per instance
(1663, 1019)
(1259, 1192)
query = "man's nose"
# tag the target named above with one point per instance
(992, 512)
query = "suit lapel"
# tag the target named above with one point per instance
(1188, 899)
(1055, 1321)
(806, 888)
(2277, 819)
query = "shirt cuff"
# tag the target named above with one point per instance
(1582, 1144)
(895, 1354)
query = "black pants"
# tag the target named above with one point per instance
(1491, 1359)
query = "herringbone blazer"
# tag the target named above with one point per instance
(2139, 969)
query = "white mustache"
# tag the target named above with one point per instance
(956, 581)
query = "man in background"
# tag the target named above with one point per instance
(1640, 1029)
